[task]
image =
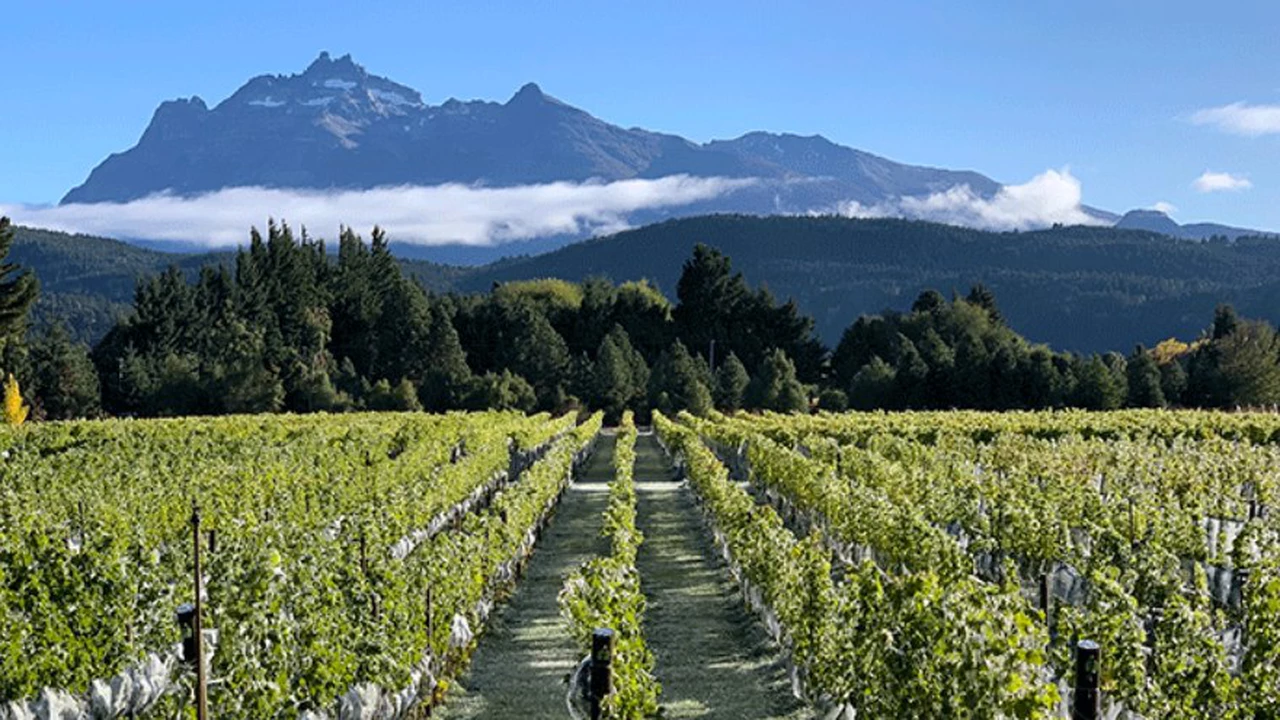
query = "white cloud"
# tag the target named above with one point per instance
(1164, 207)
(434, 215)
(1241, 119)
(1220, 181)
(1050, 197)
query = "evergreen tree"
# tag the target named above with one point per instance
(1249, 364)
(18, 290)
(675, 384)
(731, 384)
(929, 301)
(981, 296)
(403, 397)
(1099, 386)
(447, 381)
(64, 381)
(1173, 382)
(1145, 382)
(775, 386)
(873, 386)
(710, 300)
(911, 375)
(1225, 322)
(833, 400)
(614, 384)
(501, 391)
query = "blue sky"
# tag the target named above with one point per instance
(1109, 90)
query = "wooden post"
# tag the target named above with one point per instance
(431, 624)
(202, 690)
(601, 668)
(213, 541)
(1046, 597)
(1088, 701)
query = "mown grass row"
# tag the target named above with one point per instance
(605, 592)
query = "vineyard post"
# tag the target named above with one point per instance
(202, 693)
(601, 668)
(1087, 700)
(430, 621)
(1046, 598)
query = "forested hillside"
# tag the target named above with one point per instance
(287, 325)
(1077, 288)
(88, 282)
(1087, 289)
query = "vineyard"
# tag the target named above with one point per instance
(348, 561)
(904, 565)
(947, 564)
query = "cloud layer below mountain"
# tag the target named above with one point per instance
(1051, 197)
(478, 216)
(436, 215)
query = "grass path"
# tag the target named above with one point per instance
(713, 658)
(524, 654)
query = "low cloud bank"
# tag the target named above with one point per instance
(1050, 197)
(435, 215)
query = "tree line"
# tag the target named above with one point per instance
(292, 326)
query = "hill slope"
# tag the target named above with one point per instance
(89, 281)
(1076, 288)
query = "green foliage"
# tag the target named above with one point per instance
(732, 381)
(403, 397)
(18, 289)
(775, 386)
(620, 376)
(500, 391)
(64, 382)
(1145, 381)
(833, 400)
(95, 528)
(676, 384)
(873, 385)
(1099, 386)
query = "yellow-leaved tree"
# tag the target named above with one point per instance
(15, 412)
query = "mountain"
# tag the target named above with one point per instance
(1157, 221)
(338, 126)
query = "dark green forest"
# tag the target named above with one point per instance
(1084, 289)
(289, 323)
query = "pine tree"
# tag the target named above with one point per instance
(775, 386)
(447, 377)
(1145, 389)
(64, 381)
(613, 384)
(1099, 386)
(675, 384)
(18, 289)
(982, 296)
(1249, 364)
(731, 384)
(873, 386)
